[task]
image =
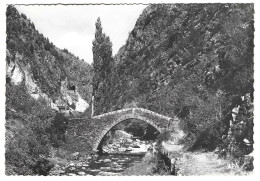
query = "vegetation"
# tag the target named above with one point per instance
(193, 61)
(190, 60)
(48, 65)
(33, 129)
(102, 63)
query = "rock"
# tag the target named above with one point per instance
(128, 140)
(72, 174)
(79, 164)
(118, 169)
(61, 171)
(248, 163)
(121, 149)
(95, 170)
(246, 141)
(89, 157)
(136, 146)
(123, 134)
(75, 154)
(105, 168)
(85, 165)
(56, 172)
(72, 168)
(128, 149)
(83, 168)
(81, 173)
(108, 174)
(71, 164)
(107, 160)
(57, 166)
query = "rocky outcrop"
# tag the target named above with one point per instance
(238, 143)
(45, 69)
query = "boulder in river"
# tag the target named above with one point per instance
(128, 149)
(108, 174)
(75, 154)
(72, 164)
(121, 149)
(72, 174)
(79, 164)
(128, 140)
(118, 169)
(81, 173)
(136, 146)
(72, 168)
(105, 168)
(107, 160)
(95, 170)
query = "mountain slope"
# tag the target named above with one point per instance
(41, 80)
(45, 69)
(194, 61)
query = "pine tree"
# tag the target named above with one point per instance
(102, 63)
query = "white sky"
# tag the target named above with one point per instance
(73, 27)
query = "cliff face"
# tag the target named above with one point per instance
(56, 75)
(190, 60)
(168, 38)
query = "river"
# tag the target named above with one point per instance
(109, 164)
(116, 160)
(104, 165)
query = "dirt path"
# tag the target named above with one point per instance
(201, 163)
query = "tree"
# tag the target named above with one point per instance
(102, 63)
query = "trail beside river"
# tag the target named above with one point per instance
(201, 163)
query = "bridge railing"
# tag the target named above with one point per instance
(112, 112)
(133, 109)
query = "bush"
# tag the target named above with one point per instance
(57, 130)
(27, 137)
(164, 136)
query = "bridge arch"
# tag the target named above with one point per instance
(121, 119)
(89, 132)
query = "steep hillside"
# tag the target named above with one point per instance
(41, 81)
(45, 70)
(194, 61)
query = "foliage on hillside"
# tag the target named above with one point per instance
(48, 64)
(190, 60)
(33, 129)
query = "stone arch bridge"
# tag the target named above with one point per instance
(91, 131)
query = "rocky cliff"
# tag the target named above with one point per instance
(47, 71)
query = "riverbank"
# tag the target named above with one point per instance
(202, 163)
(198, 163)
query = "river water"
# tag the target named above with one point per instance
(113, 163)
(104, 165)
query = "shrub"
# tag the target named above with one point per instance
(27, 139)
(164, 136)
